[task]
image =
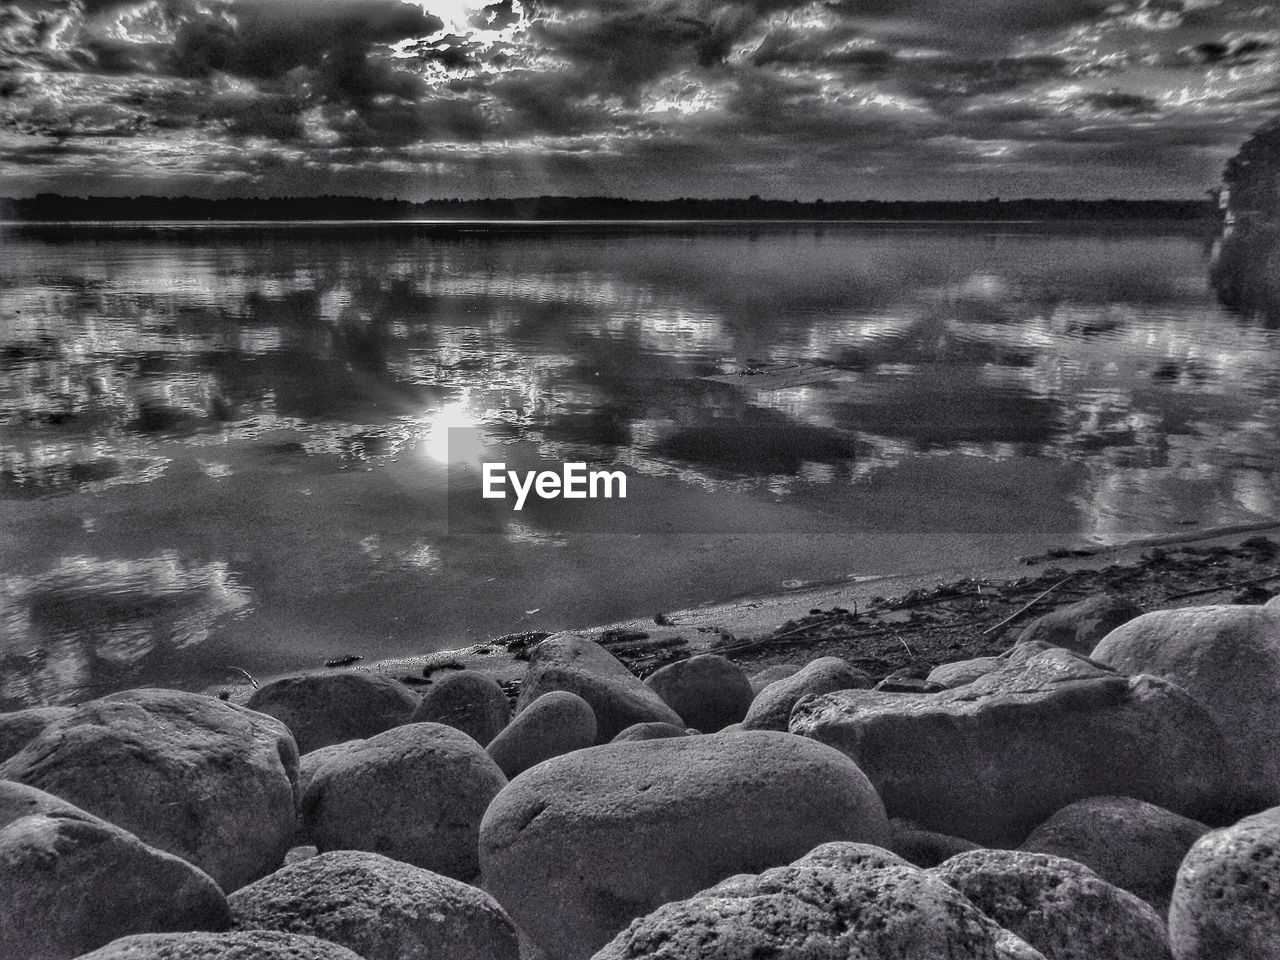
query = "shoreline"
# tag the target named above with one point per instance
(843, 617)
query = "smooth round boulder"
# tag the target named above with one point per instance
(557, 722)
(469, 701)
(208, 781)
(992, 760)
(20, 727)
(649, 731)
(1130, 843)
(380, 908)
(1228, 658)
(309, 763)
(1060, 907)
(771, 709)
(842, 901)
(708, 691)
(580, 845)
(415, 793)
(324, 708)
(1079, 626)
(961, 672)
(571, 662)
(70, 882)
(233, 945)
(1226, 902)
(779, 671)
(922, 847)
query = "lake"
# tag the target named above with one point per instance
(255, 446)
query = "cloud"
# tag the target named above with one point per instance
(648, 97)
(1119, 101)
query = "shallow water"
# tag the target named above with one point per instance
(226, 445)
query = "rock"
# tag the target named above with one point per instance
(570, 662)
(469, 701)
(321, 709)
(649, 731)
(844, 901)
(1226, 902)
(924, 848)
(779, 671)
(708, 691)
(905, 684)
(415, 793)
(1079, 626)
(20, 727)
(991, 760)
(557, 722)
(70, 882)
(205, 780)
(304, 851)
(580, 845)
(1228, 658)
(380, 908)
(1130, 843)
(771, 709)
(957, 674)
(309, 763)
(1060, 907)
(247, 945)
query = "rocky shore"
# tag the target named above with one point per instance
(1073, 764)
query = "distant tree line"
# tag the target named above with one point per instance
(46, 207)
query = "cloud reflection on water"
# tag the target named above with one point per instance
(265, 412)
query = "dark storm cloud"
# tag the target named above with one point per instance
(1119, 101)
(648, 97)
(976, 20)
(266, 39)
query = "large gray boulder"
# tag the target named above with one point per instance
(321, 709)
(649, 731)
(469, 701)
(1130, 843)
(574, 663)
(557, 722)
(1079, 626)
(1060, 907)
(234, 945)
(924, 848)
(842, 901)
(309, 763)
(779, 671)
(991, 760)
(960, 672)
(1228, 658)
(580, 845)
(208, 781)
(415, 793)
(771, 709)
(708, 691)
(70, 882)
(1226, 903)
(380, 908)
(20, 727)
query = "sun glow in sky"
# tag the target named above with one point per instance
(456, 14)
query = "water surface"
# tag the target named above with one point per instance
(225, 445)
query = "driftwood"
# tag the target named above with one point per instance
(1023, 610)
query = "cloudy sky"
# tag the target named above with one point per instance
(645, 98)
